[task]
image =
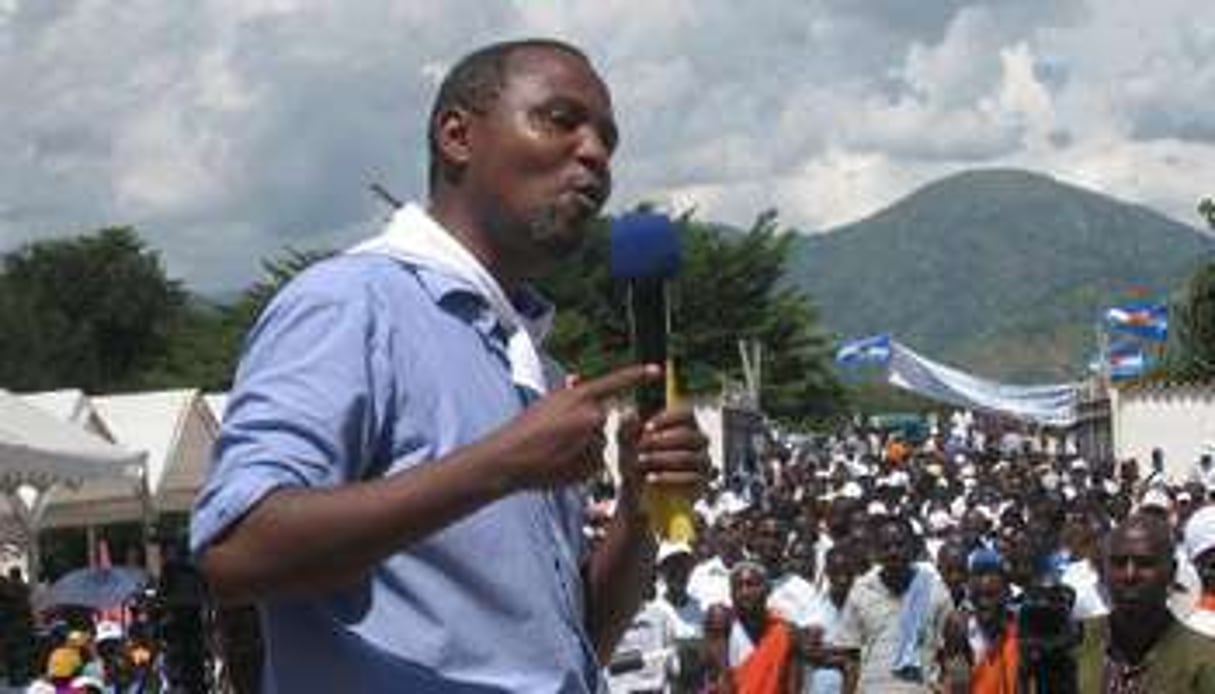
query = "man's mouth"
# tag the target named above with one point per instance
(590, 196)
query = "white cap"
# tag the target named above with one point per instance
(1156, 498)
(852, 490)
(108, 630)
(877, 508)
(1050, 481)
(939, 520)
(1079, 464)
(666, 550)
(1200, 532)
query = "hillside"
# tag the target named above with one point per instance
(1000, 271)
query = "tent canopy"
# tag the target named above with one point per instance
(39, 450)
(175, 428)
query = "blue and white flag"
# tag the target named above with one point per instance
(1146, 320)
(874, 349)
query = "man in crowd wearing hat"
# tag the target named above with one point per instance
(984, 637)
(1141, 648)
(1200, 548)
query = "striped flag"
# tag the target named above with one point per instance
(1146, 320)
(1126, 361)
(874, 349)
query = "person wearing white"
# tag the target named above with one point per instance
(1200, 548)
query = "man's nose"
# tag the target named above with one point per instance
(593, 150)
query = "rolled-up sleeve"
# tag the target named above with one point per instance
(303, 409)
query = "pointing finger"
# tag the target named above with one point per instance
(621, 380)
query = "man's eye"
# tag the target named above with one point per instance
(560, 117)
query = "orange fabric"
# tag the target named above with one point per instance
(1207, 602)
(896, 452)
(763, 671)
(996, 673)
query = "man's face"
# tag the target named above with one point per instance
(839, 568)
(974, 526)
(1139, 570)
(951, 561)
(1204, 564)
(768, 543)
(894, 548)
(675, 571)
(989, 594)
(749, 591)
(539, 157)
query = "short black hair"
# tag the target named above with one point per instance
(475, 82)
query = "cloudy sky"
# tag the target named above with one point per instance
(225, 130)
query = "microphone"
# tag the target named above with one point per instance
(645, 254)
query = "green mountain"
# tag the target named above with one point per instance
(1001, 272)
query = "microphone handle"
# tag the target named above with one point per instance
(670, 510)
(651, 324)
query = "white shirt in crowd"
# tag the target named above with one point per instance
(1081, 576)
(792, 597)
(870, 622)
(710, 582)
(649, 644)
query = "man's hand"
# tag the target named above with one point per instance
(668, 450)
(559, 439)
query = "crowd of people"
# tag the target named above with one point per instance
(156, 639)
(963, 561)
(78, 650)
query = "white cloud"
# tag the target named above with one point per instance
(226, 129)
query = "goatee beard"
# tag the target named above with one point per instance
(560, 239)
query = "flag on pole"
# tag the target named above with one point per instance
(1126, 361)
(874, 349)
(1147, 320)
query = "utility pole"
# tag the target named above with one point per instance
(752, 354)
(382, 193)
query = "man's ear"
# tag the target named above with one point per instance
(453, 129)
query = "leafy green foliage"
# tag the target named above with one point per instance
(1190, 354)
(729, 289)
(118, 323)
(87, 312)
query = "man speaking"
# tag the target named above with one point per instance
(397, 479)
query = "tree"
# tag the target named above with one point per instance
(1190, 354)
(731, 288)
(87, 312)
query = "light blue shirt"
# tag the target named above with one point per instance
(363, 367)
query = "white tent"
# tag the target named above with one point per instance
(217, 402)
(175, 429)
(70, 405)
(40, 454)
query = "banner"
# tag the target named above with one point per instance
(1050, 405)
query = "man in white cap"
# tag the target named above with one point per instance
(1200, 548)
